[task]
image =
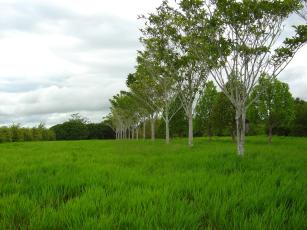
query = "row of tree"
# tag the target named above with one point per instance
(16, 133)
(274, 111)
(185, 43)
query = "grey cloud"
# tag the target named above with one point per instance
(103, 32)
(73, 97)
(26, 16)
(50, 119)
(94, 31)
(20, 85)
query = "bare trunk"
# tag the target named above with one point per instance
(209, 133)
(132, 133)
(233, 135)
(137, 133)
(240, 125)
(270, 134)
(144, 130)
(190, 129)
(167, 128)
(152, 125)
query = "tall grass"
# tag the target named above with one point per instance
(144, 185)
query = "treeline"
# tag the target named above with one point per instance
(235, 43)
(76, 128)
(17, 133)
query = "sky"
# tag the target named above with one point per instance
(59, 57)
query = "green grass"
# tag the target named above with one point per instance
(144, 185)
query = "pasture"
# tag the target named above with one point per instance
(144, 185)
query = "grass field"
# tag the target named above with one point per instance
(144, 185)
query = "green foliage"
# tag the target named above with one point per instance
(179, 123)
(223, 116)
(17, 133)
(78, 128)
(274, 104)
(73, 129)
(204, 110)
(299, 125)
(5, 134)
(145, 185)
(99, 131)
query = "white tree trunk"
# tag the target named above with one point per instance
(144, 129)
(167, 128)
(152, 125)
(190, 129)
(132, 136)
(137, 133)
(240, 125)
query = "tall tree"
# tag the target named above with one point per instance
(248, 31)
(162, 63)
(274, 103)
(186, 42)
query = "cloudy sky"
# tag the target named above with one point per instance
(59, 57)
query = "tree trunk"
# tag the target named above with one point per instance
(233, 135)
(209, 133)
(152, 125)
(132, 133)
(166, 128)
(240, 125)
(137, 133)
(270, 134)
(144, 130)
(190, 117)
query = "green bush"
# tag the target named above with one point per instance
(5, 134)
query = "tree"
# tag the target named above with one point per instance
(242, 50)
(73, 129)
(299, 126)
(5, 134)
(160, 62)
(192, 69)
(274, 103)
(146, 90)
(204, 108)
(16, 133)
(125, 115)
